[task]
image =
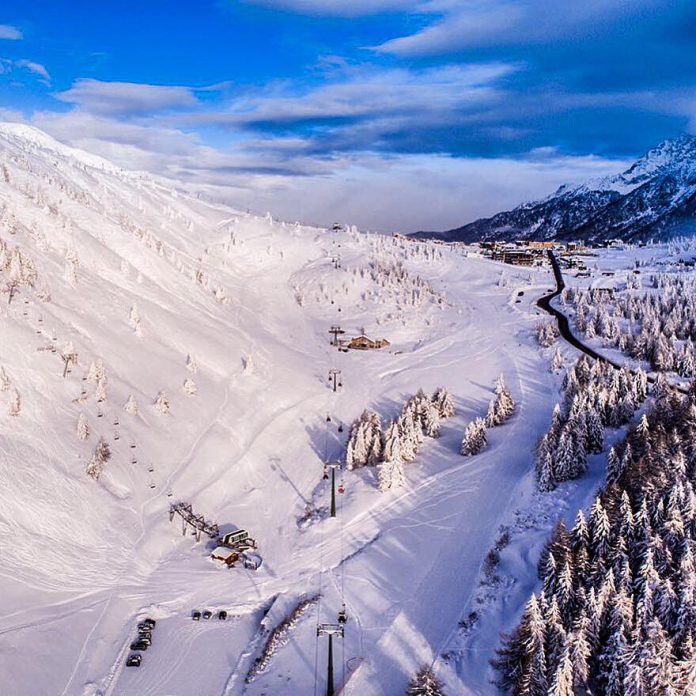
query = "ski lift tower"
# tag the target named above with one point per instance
(330, 630)
(335, 379)
(333, 466)
(336, 331)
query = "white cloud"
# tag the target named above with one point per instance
(363, 94)
(35, 68)
(7, 31)
(419, 192)
(126, 98)
(478, 23)
(340, 8)
(396, 193)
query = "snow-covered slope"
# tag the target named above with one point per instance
(654, 198)
(201, 354)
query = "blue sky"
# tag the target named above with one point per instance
(393, 114)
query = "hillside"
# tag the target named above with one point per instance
(193, 339)
(654, 199)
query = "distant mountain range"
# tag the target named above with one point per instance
(654, 199)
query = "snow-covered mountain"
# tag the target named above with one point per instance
(654, 198)
(191, 341)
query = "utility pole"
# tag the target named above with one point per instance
(333, 466)
(335, 379)
(330, 630)
(335, 331)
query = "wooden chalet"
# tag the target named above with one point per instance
(362, 342)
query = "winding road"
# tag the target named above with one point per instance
(564, 325)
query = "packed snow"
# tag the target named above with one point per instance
(158, 348)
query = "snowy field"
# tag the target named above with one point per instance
(216, 323)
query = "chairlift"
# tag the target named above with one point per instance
(340, 384)
(132, 445)
(342, 615)
(100, 414)
(341, 488)
(116, 436)
(340, 427)
(151, 469)
(152, 485)
(134, 460)
(328, 419)
(170, 494)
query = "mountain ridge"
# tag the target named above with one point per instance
(654, 198)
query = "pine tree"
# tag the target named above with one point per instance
(100, 457)
(444, 402)
(392, 444)
(425, 683)
(562, 682)
(5, 382)
(557, 362)
(15, 405)
(131, 405)
(502, 406)
(162, 403)
(82, 427)
(431, 423)
(474, 438)
(614, 466)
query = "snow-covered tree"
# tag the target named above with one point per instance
(425, 683)
(502, 406)
(444, 402)
(474, 438)
(162, 403)
(82, 427)
(15, 405)
(5, 382)
(100, 457)
(131, 405)
(190, 387)
(100, 392)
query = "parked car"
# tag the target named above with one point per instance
(139, 645)
(134, 661)
(196, 615)
(145, 638)
(207, 614)
(150, 622)
(222, 615)
(146, 625)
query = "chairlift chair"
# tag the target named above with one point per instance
(341, 487)
(342, 615)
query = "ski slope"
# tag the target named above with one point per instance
(241, 305)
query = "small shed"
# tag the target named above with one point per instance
(226, 555)
(232, 538)
(362, 342)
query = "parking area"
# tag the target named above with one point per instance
(186, 653)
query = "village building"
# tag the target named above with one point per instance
(362, 342)
(225, 555)
(515, 258)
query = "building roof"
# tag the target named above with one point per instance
(222, 552)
